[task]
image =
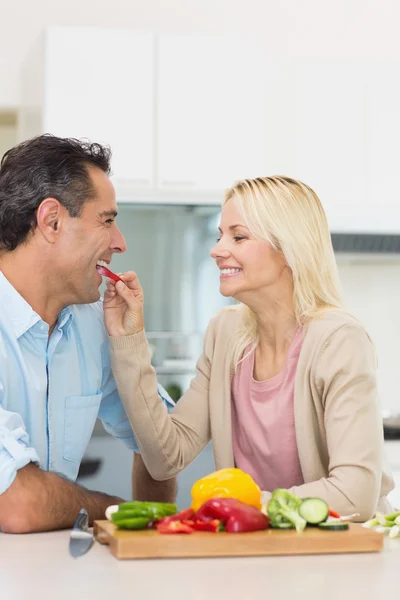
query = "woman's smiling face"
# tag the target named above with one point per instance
(246, 264)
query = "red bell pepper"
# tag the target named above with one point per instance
(107, 273)
(184, 515)
(173, 527)
(237, 516)
(333, 513)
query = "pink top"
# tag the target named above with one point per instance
(263, 432)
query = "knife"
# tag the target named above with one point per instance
(81, 539)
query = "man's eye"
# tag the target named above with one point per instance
(110, 221)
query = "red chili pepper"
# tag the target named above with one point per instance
(107, 273)
(184, 515)
(237, 516)
(333, 513)
(173, 527)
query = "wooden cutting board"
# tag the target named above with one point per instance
(151, 544)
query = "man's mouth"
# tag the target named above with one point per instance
(102, 269)
(101, 263)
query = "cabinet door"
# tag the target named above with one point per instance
(382, 145)
(211, 112)
(330, 138)
(99, 84)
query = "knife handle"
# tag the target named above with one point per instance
(82, 520)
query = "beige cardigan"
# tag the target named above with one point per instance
(338, 423)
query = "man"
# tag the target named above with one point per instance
(57, 221)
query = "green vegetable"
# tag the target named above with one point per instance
(385, 523)
(283, 509)
(394, 531)
(371, 523)
(168, 509)
(134, 514)
(333, 526)
(136, 523)
(314, 510)
(137, 515)
(389, 517)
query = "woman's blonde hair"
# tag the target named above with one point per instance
(289, 215)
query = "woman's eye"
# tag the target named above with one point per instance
(238, 238)
(218, 239)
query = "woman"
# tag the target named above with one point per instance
(285, 387)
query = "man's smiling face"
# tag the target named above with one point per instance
(88, 239)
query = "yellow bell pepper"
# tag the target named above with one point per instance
(226, 483)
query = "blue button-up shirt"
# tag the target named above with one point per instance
(52, 389)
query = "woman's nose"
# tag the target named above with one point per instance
(218, 250)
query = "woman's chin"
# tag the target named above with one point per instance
(226, 292)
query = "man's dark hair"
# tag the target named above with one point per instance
(45, 167)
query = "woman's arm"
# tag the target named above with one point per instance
(168, 442)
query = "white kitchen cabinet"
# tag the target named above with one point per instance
(99, 84)
(211, 112)
(329, 137)
(382, 144)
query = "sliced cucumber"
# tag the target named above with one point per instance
(314, 510)
(333, 526)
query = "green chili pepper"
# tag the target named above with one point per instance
(129, 514)
(136, 523)
(166, 508)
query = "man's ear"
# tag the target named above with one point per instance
(49, 218)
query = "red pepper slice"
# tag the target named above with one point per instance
(173, 527)
(333, 513)
(107, 273)
(215, 526)
(184, 515)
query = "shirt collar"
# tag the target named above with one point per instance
(21, 315)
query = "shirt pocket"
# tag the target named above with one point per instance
(80, 417)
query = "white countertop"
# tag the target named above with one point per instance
(41, 562)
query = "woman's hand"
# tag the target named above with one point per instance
(123, 306)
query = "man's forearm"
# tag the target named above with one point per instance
(42, 501)
(144, 487)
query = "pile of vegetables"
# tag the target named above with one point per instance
(228, 500)
(385, 524)
(287, 511)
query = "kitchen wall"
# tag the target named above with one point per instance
(309, 28)
(371, 289)
(8, 131)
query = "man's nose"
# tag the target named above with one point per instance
(118, 243)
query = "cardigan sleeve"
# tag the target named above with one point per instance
(168, 442)
(346, 380)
